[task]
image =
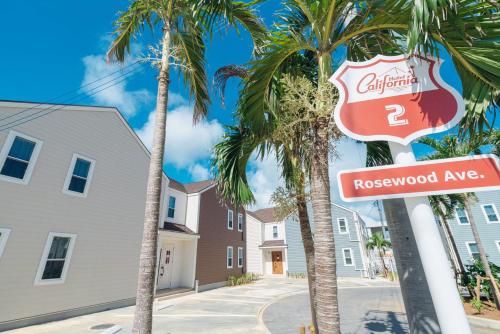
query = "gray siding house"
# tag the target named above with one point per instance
(350, 236)
(487, 218)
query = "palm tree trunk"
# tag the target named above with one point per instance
(420, 311)
(143, 316)
(381, 255)
(482, 255)
(307, 240)
(452, 247)
(327, 310)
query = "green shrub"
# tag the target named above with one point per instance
(243, 279)
(296, 275)
(477, 304)
(472, 270)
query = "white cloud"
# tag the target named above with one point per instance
(263, 179)
(186, 145)
(199, 172)
(116, 93)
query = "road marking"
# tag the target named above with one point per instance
(237, 295)
(194, 315)
(112, 330)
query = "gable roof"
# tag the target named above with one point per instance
(196, 187)
(264, 215)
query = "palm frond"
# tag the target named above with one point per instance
(191, 52)
(378, 154)
(223, 74)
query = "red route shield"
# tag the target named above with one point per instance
(394, 98)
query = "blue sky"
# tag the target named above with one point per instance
(52, 47)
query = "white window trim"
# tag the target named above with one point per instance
(70, 174)
(352, 257)
(31, 165)
(467, 244)
(497, 242)
(458, 219)
(227, 257)
(346, 225)
(45, 254)
(230, 213)
(168, 207)
(240, 249)
(240, 222)
(3, 239)
(486, 215)
(277, 232)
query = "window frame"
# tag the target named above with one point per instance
(240, 222)
(32, 162)
(458, 218)
(240, 265)
(227, 257)
(168, 207)
(486, 214)
(4, 236)
(467, 245)
(44, 258)
(497, 242)
(344, 257)
(230, 213)
(277, 232)
(69, 175)
(346, 225)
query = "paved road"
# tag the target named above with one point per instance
(281, 305)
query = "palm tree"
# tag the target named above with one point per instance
(450, 147)
(286, 134)
(443, 207)
(366, 28)
(377, 241)
(183, 24)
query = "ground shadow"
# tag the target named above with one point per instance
(385, 322)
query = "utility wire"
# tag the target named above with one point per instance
(53, 100)
(49, 110)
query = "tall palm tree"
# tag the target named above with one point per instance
(183, 24)
(377, 241)
(450, 147)
(443, 207)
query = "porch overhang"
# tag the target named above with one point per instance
(177, 231)
(273, 244)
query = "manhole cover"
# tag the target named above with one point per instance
(102, 326)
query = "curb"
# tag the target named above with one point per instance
(262, 309)
(484, 323)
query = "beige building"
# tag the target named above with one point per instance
(72, 194)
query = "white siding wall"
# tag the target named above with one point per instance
(180, 206)
(108, 223)
(268, 231)
(192, 209)
(253, 241)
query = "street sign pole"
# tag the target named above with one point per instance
(443, 290)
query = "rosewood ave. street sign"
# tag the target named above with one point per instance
(424, 178)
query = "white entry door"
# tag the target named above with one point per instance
(165, 267)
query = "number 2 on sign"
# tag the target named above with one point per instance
(393, 117)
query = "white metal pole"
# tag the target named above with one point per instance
(445, 297)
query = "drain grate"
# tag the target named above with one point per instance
(102, 326)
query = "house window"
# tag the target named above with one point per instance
(348, 260)
(229, 257)
(240, 222)
(230, 219)
(79, 176)
(18, 157)
(342, 223)
(462, 217)
(473, 250)
(4, 235)
(55, 258)
(171, 207)
(490, 213)
(240, 257)
(275, 232)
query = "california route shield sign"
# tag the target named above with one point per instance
(394, 98)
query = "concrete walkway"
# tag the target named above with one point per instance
(271, 305)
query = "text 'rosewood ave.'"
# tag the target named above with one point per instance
(466, 174)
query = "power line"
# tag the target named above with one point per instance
(49, 110)
(53, 100)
